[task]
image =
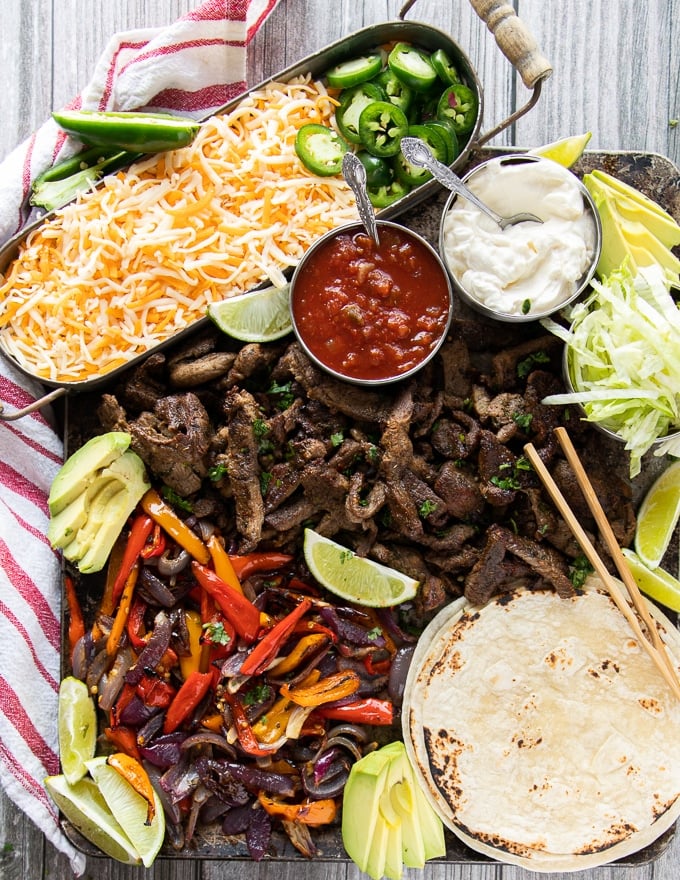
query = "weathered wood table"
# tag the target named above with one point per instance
(616, 73)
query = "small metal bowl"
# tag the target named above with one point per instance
(351, 319)
(580, 286)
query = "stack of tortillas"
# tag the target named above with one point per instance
(544, 734)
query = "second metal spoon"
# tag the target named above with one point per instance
(355, 175)
(418, 153)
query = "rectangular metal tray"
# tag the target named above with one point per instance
(658, 178)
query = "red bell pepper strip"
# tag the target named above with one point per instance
(156, 545)
(135, 624)
(187, 698)
(243, 615)
(246, 737)
(267, 648)
(369, 710)
(76, 624)
(155, 691)
(141, 528)
(254, 563)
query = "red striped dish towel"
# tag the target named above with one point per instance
(193, 66)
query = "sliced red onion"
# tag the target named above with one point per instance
(153, 650)
(164, 752)
(396, 684)
(258, 834)
(112, 682)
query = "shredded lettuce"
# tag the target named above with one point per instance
(623, 356)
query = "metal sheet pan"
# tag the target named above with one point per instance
(654, 175)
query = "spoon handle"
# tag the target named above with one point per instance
(417, 153)
(355, 175)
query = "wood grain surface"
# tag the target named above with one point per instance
(616, 72)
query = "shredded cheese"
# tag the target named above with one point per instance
(127, 265)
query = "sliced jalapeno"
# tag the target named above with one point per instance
(395, 90)
(132, 131)
(384, 196)
(412, 66)
(356, 70)
(413, 175)
(352, 102)
(448, 132)
(320, 149)
(444, 67)
(381, 127)
(378, 171)
(459, 104)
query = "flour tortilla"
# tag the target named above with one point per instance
(544, 735)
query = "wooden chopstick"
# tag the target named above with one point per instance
(653, 644)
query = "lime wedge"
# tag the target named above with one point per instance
(353, 577)
(565, 151)
(130, 810)
(654, 582)
(658, 516)
(258, 316)
(85, 808)
(77, 728)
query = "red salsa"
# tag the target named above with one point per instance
(371, 312)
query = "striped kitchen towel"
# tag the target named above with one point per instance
(193, 66)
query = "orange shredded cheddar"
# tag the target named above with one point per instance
(140, 257)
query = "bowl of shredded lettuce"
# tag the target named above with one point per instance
(622, 361)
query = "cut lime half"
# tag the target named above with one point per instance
(77, 728)
(658, 516)
(565, 151)
(355, 578)
(656, 583)
(258, 316)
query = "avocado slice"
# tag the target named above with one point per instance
(81, 468)
(360, 812)
(109, 512)
(629, 191)
(101, 495)
(615, 251)
(662, 226)
(62, 528)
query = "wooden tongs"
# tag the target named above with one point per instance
(650, 640)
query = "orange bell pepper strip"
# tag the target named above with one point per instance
(241, 613)
(191, 661)
(254, 563)
(133, 773)
(326, 690)
(369, 710)
(268, 646)
(222, 563)
(306, 647)
(76, 624)
(187, 699)
(308, 812)
(140, 530)
(165, 516)
(124, 739)
(120, 620)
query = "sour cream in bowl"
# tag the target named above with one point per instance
(529, 270)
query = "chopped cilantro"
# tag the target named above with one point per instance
(265, 480)
(580, 569)
(526, 366)
(216, 634)
(256, 695)
(426, 508)
(522, 420)
(337, 438)
(176, 500)
(217, 472)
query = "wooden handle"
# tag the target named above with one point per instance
(514, 40)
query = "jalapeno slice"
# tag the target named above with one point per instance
(448, 132)
(384, 196)
(378, 171)
(352, 102)
(459, 104)
(320, 149)
(413, 175)
(412, 66)
(395, 90)
(381, 127)
(132, 131)
(444, 67)
(354, 71)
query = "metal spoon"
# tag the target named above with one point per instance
(355, 175)
(418, 153)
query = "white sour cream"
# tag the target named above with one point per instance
(528, 268)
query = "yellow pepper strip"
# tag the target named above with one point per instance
(133, 772)
(273, 724)
(326, 690)
(222, 563)
(308, 812)
(106, 604)
(123, 612)
(305, 648)
(191, 662)
(165, 516)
